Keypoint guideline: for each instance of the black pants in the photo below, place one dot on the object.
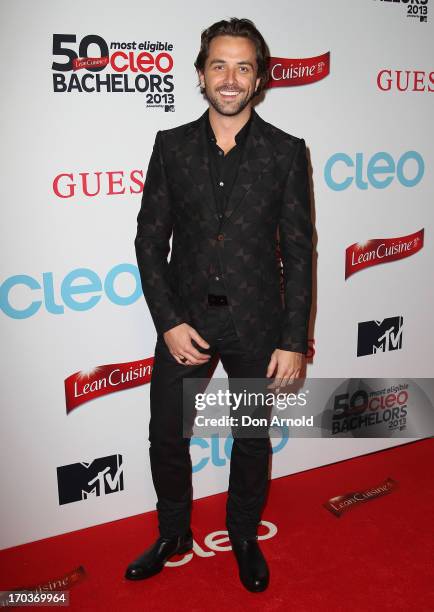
(169, 450)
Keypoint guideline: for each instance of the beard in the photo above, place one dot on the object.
(232, 108)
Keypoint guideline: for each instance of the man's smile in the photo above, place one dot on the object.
(226, 93)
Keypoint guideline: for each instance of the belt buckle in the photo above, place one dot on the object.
(217, 300)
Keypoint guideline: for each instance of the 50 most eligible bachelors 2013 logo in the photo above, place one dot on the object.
(125, 67)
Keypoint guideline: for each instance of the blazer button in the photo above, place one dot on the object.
(220, 237)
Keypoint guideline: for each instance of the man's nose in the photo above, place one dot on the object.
(232, 75)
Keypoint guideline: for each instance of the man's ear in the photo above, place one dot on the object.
(201, 79)
(257, 83)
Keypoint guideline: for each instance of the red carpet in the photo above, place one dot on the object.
(377, 556)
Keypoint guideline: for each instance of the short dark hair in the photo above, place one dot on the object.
(236, 27)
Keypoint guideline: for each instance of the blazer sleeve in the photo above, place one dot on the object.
(295, 237)
(154, 229)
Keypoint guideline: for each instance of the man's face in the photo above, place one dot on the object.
(229, 77)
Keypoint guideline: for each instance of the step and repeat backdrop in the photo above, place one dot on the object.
(86, 86)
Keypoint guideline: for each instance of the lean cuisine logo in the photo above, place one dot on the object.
(340, 504)
(362, 255)
(50, 587)
(82, 387)
(286, 72)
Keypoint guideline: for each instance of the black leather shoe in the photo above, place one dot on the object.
(152, 561)
(253, 567)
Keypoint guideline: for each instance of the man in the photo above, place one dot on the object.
(222, 187)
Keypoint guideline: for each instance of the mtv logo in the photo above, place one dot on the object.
(379, 336)
(169, 108)
(424, 18)
(79, 481)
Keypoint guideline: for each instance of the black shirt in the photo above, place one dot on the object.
(224, 170)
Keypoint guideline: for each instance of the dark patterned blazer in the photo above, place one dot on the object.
(270, 196)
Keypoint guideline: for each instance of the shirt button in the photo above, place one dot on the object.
(220, 237)
(220, 216)
(221, 184)
(220, 152)
(217, 278)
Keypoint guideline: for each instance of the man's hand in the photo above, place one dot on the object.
(289, 365)
(178, 340)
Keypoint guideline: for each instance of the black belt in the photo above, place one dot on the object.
(217, 300)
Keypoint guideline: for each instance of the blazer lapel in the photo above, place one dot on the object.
(257, 155)
(197, 165)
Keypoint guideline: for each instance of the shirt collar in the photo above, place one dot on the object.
(240, 137)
